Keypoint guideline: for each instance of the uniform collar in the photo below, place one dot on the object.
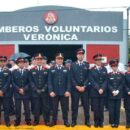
(80, 62)
(98, 67)
(115, 72)
(21, 69)
(59, 66)
(39, 67)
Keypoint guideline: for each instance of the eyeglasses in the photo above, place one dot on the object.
(114, 65)
(38, 58)
(80, 53)
(98, 59)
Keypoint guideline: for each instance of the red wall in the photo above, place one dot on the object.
(7, 50)
(110, 51)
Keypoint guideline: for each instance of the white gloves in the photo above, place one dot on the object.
(115, 92)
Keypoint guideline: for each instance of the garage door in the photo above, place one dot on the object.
(109, 51)
(6, 50)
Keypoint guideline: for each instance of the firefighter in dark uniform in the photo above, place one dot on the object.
(80, 90)
(39, 88)
(115, 87)
(127, 95)
(20, 82)
(59, 88)
(5, 91)
(98, 79)
(68, 64)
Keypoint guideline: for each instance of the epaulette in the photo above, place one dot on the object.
(127, 72)
(110, 73)
(123, 73)
(34, 68)
(5, 68)
(45, 67)
(92, 68)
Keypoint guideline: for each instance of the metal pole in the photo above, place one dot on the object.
(128, 31)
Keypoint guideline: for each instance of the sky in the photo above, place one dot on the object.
(12, 5)
(108, 5)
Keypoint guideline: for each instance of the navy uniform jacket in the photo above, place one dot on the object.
(127, 84)
(5, 81)
(38, 81)
(21, 81)
(59, 80)
(98, 79)
(80, 75)
(115, 82)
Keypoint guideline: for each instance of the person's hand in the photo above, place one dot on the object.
(1, 93)
(78, 88)
(82, 89)
(67, 94)
(100, 91)
(21, 91)
(115, 93)
(52, 94)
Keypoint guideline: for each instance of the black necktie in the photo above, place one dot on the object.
(99, 69)
(80, 64)
(39, 68)
(59, 67)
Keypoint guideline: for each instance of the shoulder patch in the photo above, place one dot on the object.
(92, 68)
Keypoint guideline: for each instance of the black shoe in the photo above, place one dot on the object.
(28, 123)
(11, 113)
(8, 124)
(73, 124)
(47, 123)
(53, 123)
(116, 125)
(87, 123)
(35, 123)
(101, 125)
(67, 124)
(112, 125)
(105, 109)
(16, 123)
(95, 124)
(127, 125)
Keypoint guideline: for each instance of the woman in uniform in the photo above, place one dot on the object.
(127, 95)
(115, 92)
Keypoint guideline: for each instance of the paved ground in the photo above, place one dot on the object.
(80, 117)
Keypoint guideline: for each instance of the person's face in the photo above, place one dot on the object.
(3, 62)
(34, 62)
(44, 61)
(98, 61)
(59, 60)
(39, 61)
(11, 62)
(26, 64)
(114, 67)
(128, 68)
(80, 56)
(68, 65)
(21, 64)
